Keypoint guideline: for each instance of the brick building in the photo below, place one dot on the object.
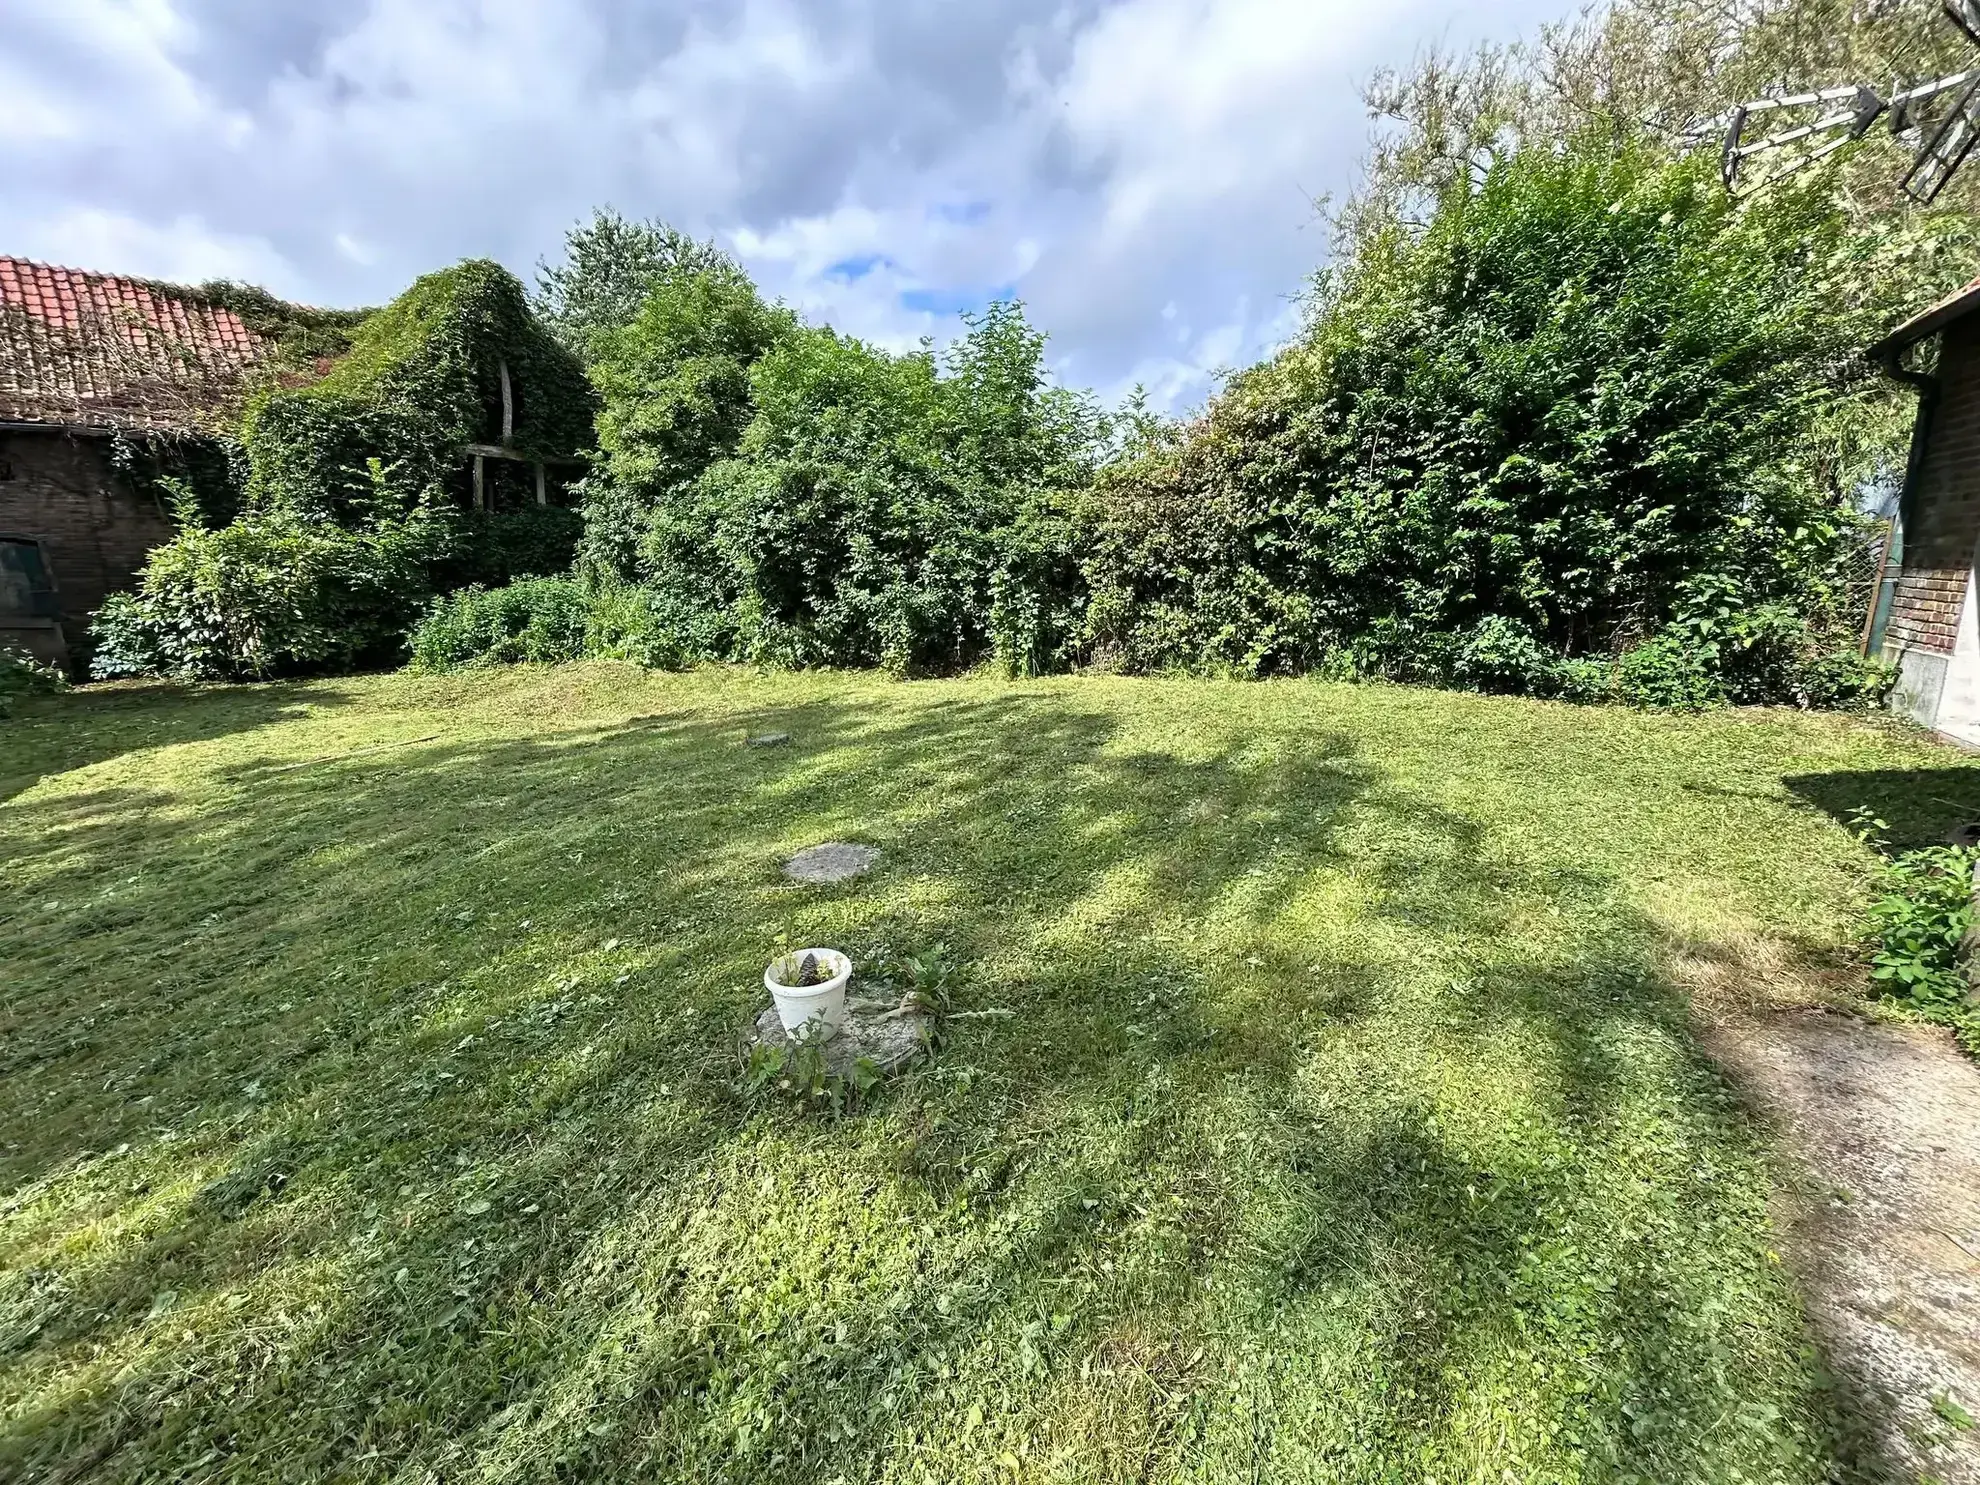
(1932, 630)
(89, 364)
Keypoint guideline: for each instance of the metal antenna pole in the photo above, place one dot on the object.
(1943, 149)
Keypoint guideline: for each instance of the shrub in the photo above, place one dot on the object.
(1511, 438)
(1502, 654)
(1037, 599)
(554, 619)
(496, 547)
(1723, 649)
(270, 595)
(875, 509)
(610, 268)
(1669, 672)
(1917, 927)
(674, 384)
(23, 675)
(1841, 679)
(1586, 681)
(645, 627)
(537, 619)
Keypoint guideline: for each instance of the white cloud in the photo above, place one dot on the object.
(1187, 102)
(184, 250)
(1140, 171)
(123, 53)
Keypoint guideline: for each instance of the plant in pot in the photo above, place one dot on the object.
(809, 988)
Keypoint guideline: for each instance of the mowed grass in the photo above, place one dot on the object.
(369, 1104)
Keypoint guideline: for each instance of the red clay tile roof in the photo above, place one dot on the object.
(94, 350)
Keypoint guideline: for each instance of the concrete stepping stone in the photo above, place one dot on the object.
(834, 861)
(891, 1036)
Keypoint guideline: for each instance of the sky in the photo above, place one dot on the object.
(1144, 174)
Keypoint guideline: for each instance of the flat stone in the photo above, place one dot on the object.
(892, 1037)
(834, 861)
(767, 740)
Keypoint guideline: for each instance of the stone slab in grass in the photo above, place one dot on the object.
(891, 1036)
(834, 861)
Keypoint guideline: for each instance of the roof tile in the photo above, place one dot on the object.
(94, 349)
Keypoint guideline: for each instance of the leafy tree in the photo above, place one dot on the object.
(674, 387)
(1527, 431)
(868, 512)
(610, 266)
(1662, 75)
(1557, 396)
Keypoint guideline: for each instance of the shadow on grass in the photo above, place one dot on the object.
(58, 734)
(1921, 806)
(398, 1098)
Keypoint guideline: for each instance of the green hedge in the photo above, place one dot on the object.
(822, 502)
(1572, 416)
(552, 619)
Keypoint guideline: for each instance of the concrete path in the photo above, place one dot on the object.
(1884, 1230)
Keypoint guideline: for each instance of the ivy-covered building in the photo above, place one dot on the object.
(93, 368)
(138, 418)
(1930, 627)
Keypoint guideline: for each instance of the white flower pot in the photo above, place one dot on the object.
(809, 1012)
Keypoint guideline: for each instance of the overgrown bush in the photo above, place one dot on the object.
(1918, 925)
(870, 509)
(555, 619)
(354, 501)
(674, 389)
(1553, 443)
(1519, 436)
(386, 424)
(611, 266)
(627, 622)
(23, 675)
(493, 547)
(269, 595)
(537, 619)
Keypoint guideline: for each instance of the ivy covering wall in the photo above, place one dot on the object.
(422, 379)
(345, 463)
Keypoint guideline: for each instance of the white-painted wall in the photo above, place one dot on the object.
(1957, 713)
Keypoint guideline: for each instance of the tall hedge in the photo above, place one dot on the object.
(1583, 391)
(859, 508)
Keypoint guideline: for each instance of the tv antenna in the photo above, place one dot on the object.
(1845, 114)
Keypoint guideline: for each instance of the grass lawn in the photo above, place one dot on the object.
(369, 1104)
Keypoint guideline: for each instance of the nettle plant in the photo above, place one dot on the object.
(802, 1074)
(1917, 926)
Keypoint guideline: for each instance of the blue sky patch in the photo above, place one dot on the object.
(954, 301)
(960, 213)
(852, 270)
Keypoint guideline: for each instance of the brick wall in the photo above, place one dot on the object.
(1944, 530)
(62, 491)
